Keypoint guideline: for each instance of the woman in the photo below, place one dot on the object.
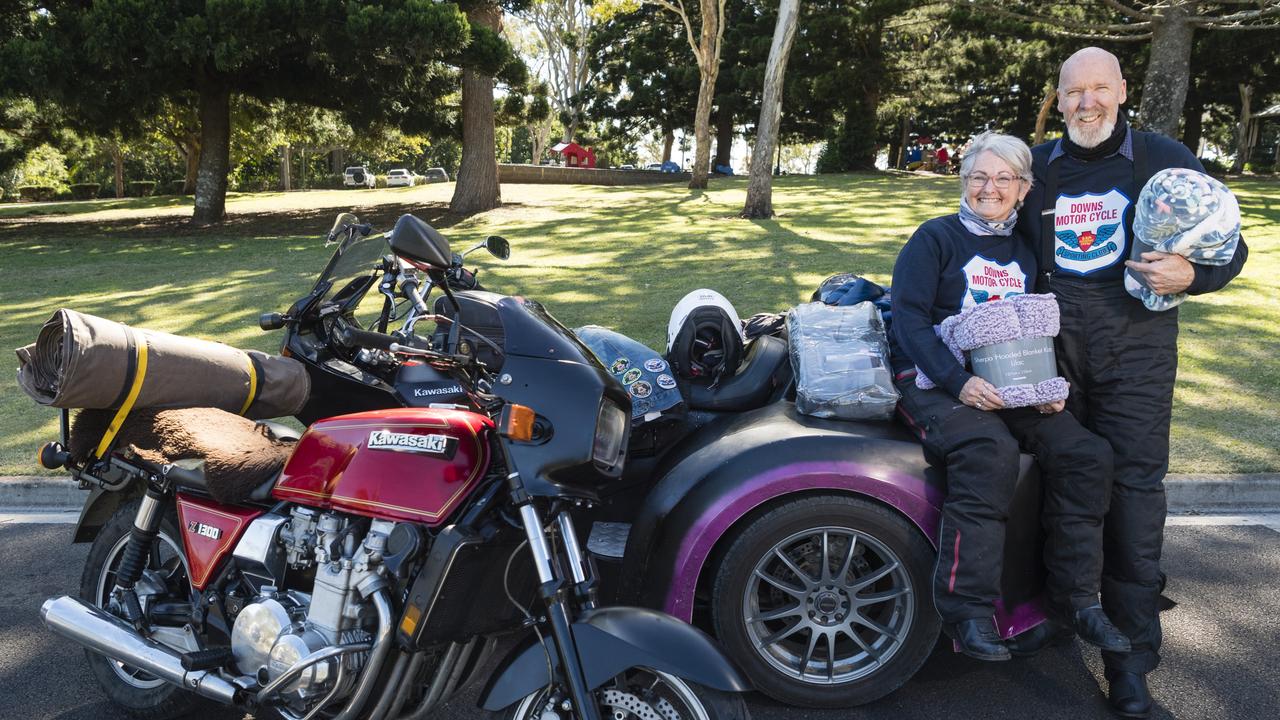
(964, 426)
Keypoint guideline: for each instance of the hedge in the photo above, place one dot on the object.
(36, 193)
(85, 191)
(142, 188)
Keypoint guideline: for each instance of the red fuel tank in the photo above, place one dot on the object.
(414, 464)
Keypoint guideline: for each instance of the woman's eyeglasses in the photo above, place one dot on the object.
(977, 181)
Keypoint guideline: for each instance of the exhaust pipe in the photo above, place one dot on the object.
(110, 636)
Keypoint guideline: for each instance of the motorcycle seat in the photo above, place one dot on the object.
(765, 367)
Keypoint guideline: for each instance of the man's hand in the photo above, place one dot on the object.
(1165, 274)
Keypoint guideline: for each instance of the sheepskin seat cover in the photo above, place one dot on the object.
(239, 455)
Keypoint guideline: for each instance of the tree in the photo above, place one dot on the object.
(1169, 26)
(113, 61)
(759, 202)
(706, 48)
(563, 28)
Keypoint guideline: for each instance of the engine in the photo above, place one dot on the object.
(279, 627)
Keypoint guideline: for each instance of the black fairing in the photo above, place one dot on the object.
(413, 239)
(547, 368)
(610, 640)
(420, 385)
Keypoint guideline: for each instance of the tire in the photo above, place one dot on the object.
(142, 694)
(808, 641)
(640, 693)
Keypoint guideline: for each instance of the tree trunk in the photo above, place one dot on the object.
(117, 162)
(1046, 106)
(901, 163)
(760, 188)
(724, 138)
(1242, 128)
(668, 141)
(477, 187)
(338, 161)
(1193, 120)
(708, 69)
(215, 145)
(286, 172)
(1164, 90)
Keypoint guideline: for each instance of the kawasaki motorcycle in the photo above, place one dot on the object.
(373, 576)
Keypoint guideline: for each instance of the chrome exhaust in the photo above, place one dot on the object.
(114, 638)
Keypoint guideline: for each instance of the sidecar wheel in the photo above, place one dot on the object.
(825, 601)
(642, 693)
(142, 694)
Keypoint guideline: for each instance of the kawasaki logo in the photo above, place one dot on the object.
(407, 442)
(436, 391)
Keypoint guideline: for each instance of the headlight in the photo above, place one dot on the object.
(611, 434)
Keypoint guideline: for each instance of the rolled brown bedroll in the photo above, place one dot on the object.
(82, 361)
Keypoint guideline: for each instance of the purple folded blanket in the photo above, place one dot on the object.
(999, 321)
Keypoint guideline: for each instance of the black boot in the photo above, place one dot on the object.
(1094, 627)
(1127, 694)
(978, 639)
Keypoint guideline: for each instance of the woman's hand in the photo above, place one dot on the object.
(1056, 406)
(980, 394)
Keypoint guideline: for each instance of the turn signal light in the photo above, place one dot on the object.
(516, 422)
(53, 456)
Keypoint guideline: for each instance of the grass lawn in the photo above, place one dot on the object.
(620, 257)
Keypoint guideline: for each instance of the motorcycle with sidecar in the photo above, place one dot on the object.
(804, 545)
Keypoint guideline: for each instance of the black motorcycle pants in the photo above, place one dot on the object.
(980, 452)
(1121, 360)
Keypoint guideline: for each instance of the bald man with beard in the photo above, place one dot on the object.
(1120, 358)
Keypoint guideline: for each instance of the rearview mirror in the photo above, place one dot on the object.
(413, 239)
(340, 225)
(498, 246)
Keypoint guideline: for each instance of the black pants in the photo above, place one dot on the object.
(1121, 360)
(980, 452)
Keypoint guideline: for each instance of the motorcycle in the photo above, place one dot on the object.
(374, 576)
(804, 545)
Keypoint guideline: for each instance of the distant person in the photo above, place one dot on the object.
(943, 157)
(963, 423)
(1120, 358)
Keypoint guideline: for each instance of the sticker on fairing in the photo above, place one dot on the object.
(632, 375)
(1089, 231)
(986, 280)
(655, 365)
(619, 366)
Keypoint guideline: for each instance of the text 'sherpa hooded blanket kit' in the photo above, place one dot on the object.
(1182, 212)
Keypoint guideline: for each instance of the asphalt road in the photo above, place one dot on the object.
(1221, 655)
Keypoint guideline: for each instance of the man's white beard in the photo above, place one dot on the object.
(1090, 138)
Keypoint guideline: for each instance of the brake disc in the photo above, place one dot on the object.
(633, 705)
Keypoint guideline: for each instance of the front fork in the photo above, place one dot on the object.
(552, 590)
(142, 537)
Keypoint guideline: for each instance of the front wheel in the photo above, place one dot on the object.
(825, 601)
(640, 694)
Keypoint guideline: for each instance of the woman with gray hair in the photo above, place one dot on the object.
(951, 263)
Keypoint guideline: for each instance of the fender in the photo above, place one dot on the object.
(98, 509)
(738, 463)
(610, 640)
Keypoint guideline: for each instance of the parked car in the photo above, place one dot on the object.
(400, 177)
(653, 166)
(627, 167)
(435, 175)
(358, 176)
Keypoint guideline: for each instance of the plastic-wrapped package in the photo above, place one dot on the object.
(1182, 212)
(841, 359)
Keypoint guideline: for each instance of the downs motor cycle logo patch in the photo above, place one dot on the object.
(442, 445)
(1089, 231)
(986, 280)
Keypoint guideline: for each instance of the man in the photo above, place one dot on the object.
(1120, 358)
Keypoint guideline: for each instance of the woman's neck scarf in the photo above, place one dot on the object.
(978, 225)
(1103, 149)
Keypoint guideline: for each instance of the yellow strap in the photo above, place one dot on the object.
(140, 349)
(253, 384)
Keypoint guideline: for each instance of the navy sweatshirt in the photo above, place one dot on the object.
(941, 270)
(1093, 218)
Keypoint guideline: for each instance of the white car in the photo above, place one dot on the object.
(400, 178)
(358, 176)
